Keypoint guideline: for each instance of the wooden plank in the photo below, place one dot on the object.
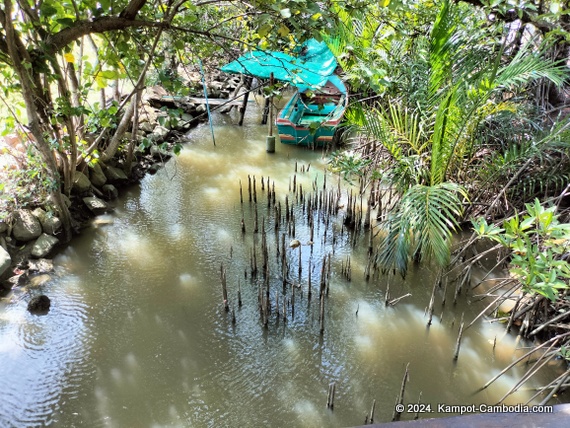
(196, 100)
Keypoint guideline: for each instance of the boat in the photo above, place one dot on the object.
(313, 115)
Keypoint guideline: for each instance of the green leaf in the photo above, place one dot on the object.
(65, 22)
(264, 30)
(283, 31)
(527, 223)
(47, 10)
(109, 74)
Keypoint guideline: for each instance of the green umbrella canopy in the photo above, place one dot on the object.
(311, 68)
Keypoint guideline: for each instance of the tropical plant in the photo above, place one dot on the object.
(431, 136)
(538, 243)
(422, 224)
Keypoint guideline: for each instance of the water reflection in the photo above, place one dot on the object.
(138, 336)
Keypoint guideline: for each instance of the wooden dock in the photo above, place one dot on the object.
(559, 418)
(195, 100)
(213, 103)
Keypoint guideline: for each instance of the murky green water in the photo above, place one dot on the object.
(137, 335)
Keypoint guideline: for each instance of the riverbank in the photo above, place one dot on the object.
(29, 229)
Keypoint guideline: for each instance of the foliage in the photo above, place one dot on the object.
(448, 80)
(349, 163)
(422, 225)
(28, 186)
(538, 242)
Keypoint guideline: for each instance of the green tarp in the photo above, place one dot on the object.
(311, 68)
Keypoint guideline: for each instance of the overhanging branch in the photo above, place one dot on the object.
(58, 41)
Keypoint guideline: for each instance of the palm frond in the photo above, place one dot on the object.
(423, 223)
(527, 66)
(442, 47)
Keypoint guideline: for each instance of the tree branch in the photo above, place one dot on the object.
(526, 17)
(131, 10)
(58, 41)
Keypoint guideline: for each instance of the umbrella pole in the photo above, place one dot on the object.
(207, 103)
(245, 100)
(270, 141)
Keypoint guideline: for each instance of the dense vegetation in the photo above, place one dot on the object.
(463, 120)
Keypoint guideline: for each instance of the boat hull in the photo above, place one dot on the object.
(313, 121)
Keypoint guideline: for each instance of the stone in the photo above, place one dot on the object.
(96, 175)
(38, 280)
(294, 243)
(96, 206)
(110, 191)
(40, 266)
(26, 227)
(18, 280)
(154, 93)
(186, 117)
(81, 184)
(39, 213)
(159, 133)
(5, 261)
(115, 175)
(44, 245)
(39, 305)
(153, 169)
(157, 151)
(145, 127)
(3, 226)
(50, 223)
(66, 200)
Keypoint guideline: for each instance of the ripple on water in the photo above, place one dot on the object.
(41, 357)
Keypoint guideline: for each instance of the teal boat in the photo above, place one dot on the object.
(311, 118)
(314, 113)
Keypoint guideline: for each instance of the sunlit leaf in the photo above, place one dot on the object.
(264, 30)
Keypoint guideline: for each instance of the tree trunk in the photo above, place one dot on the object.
(21, 63)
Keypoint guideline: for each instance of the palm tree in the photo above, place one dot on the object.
(431, 140)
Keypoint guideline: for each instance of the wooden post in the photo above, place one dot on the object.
(249, 186)
(431, 304)
(239, 293)
(330, 396)
(371, 418)
(254, 191)
(400, 400)
(265, 111)
(224, 288)
(417, 416)
(271, 81)
(240, 192)
(245, 100)
(322, 315)
(458, 344)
